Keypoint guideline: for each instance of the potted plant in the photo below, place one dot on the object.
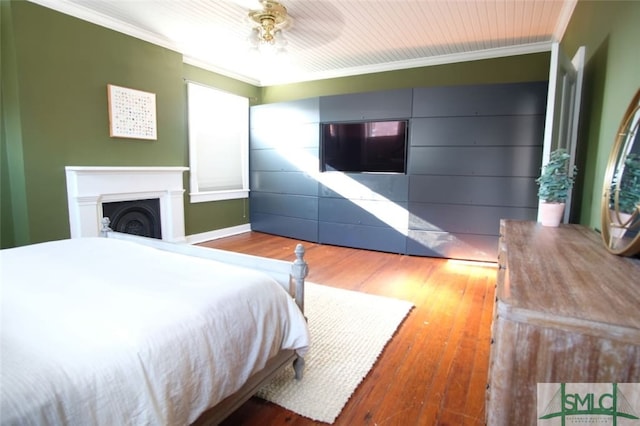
(554, 182)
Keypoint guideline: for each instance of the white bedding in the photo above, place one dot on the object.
(98, 331)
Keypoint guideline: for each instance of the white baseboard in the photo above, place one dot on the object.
(218, 233)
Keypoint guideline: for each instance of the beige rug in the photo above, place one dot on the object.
(349, 330)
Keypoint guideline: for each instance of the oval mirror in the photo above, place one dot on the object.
(621, 189)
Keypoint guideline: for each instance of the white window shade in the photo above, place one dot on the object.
(218, 144)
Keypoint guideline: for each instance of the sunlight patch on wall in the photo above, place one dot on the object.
(392, 214)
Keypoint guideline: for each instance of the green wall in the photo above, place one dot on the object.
(55, 69)
(610, 32)
(9, 131)
(532, 67)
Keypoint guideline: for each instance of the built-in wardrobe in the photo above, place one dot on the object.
(472, 156)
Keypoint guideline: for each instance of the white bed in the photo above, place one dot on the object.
(103, 331)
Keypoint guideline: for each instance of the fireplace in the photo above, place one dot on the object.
(137, 217)
(89, 189)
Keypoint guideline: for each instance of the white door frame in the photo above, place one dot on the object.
(563, 108)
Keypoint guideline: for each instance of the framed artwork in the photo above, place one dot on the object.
(132, 113)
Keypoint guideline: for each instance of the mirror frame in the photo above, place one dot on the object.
(619, 245)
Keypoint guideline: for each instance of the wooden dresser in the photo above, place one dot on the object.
(566, 311)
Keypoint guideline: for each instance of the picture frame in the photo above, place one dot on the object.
(132, 113)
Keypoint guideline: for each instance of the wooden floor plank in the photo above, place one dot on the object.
(468, 322)
(375, 406)
(416, 373)
(474, 407)
(433, 371)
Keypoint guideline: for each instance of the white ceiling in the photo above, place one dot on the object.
(333, 38)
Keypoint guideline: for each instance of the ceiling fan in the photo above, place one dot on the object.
(268, 23)
(270, 20)
(305, 23)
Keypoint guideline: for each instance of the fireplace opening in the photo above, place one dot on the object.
(137, 217)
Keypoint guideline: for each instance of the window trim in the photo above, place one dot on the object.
(197, 196)
(205, 196)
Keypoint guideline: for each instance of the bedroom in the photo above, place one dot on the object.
(51, 77)
(55, 73)
(50, 80)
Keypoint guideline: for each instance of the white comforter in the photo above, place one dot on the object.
(100, 331)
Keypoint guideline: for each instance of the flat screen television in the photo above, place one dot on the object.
(371, 146)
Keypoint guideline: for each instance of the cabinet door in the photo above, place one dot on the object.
(391, 104)
(482, 100)
(283, 161)
(282, 114)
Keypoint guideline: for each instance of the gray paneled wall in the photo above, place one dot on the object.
(383, 105)
(481, 100)
(283, 161)
(364, 210)
(474, 153)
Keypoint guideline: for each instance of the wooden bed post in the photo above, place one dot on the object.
(299, 271)
(105, 221)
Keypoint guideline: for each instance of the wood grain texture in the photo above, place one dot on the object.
(566, 311)
(567, 271)
(434, 370)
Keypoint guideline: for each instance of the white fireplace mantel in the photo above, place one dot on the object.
(89, 187)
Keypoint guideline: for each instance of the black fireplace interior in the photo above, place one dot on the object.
(137, 217)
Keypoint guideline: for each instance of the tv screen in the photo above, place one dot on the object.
(372, 146)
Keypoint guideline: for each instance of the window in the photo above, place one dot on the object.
(218, 144)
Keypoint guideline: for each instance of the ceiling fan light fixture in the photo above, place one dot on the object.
(268, 24)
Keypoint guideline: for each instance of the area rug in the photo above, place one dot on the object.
(348, 330)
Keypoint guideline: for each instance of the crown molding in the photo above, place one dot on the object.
(563, 21)
(522, 49)
(83, 13)
(88, 15)
(218, 70)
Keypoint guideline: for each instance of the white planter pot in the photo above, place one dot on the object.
(551, 213)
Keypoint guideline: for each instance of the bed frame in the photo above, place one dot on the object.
(290, 275)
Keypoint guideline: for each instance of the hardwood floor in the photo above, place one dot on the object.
(434, 370)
